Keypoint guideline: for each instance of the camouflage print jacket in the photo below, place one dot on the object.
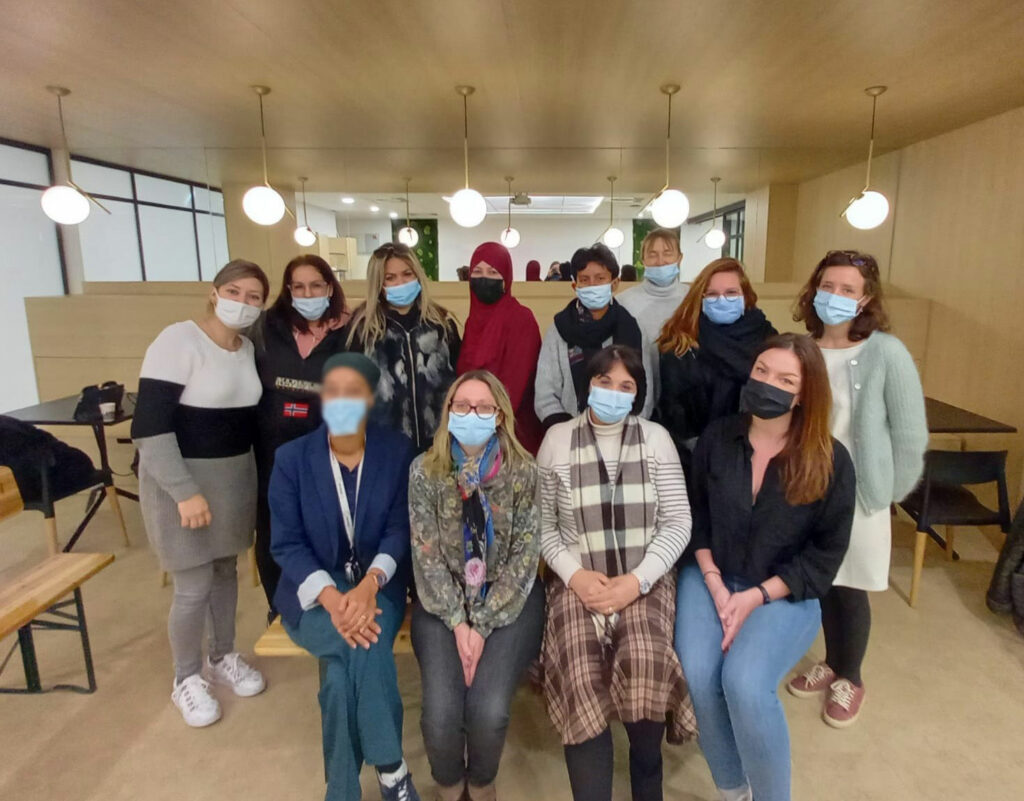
(438, 556)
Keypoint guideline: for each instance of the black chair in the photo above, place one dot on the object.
(942, 499)
(52, 491)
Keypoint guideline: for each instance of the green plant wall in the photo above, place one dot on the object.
(426, 248)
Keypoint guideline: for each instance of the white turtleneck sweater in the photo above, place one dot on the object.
(652, 306)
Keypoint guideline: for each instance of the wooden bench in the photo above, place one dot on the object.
(32, 601)
(276, 642)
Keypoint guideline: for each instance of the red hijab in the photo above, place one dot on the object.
(533, 270)
(503, 337)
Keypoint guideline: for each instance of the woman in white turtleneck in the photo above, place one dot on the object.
(654, 300)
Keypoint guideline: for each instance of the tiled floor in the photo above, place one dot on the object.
(944, 717)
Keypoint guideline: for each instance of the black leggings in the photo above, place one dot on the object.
(846, 621)
(591, 763)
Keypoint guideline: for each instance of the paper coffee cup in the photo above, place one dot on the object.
(109, 412)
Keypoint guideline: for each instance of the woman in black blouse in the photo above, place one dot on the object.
(772, 501)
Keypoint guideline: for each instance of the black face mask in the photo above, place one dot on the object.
(487, 290)
(764, 401)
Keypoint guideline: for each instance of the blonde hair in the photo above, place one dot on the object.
(437, 461)
(368, 320)
(669, 235)
(235, 270)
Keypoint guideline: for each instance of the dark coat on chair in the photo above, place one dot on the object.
(306, 526)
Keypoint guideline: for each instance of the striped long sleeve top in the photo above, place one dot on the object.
(559, 530)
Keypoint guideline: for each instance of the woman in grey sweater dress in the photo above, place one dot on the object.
(194, 425)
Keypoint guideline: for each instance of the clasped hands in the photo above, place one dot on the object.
(733, 607)
(604, 595)
(354, 613)
(470, 645)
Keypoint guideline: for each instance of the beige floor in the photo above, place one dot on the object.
(944, 718)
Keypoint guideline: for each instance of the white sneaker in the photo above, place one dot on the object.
(234, 672)
(196, 703)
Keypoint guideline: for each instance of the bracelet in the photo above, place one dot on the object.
(766, 598)
(712, 573)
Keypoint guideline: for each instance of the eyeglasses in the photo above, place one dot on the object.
(485, 411)
(729, 293)
(855, 258)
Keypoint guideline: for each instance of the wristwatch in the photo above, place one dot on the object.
(379, 577)
(645, 585)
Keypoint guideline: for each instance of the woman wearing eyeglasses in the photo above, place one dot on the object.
(298, 333)
(707, 347)
(414, 341)
(614, 520)
(878, 414)
(478, 619)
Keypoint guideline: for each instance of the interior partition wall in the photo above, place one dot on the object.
(31, 263)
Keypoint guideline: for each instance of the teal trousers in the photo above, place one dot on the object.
(360, 707)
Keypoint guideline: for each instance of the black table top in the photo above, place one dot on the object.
(944, 418)
(61, 412)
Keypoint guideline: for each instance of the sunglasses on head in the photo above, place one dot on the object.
(390, 249)
(853, 257)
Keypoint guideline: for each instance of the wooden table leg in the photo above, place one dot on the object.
(115, 504)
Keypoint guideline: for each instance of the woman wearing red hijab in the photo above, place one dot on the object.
(502, 336)
(533, 270)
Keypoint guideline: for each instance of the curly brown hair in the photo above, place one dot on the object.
(872, 317)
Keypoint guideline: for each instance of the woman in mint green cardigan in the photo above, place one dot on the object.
(878, 414)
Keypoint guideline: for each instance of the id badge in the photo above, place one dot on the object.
(353, 573)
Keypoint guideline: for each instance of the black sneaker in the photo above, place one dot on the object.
(402, 791)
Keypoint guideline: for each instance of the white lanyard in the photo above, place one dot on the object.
(347, 514)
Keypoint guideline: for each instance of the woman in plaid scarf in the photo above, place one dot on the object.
(615, 519)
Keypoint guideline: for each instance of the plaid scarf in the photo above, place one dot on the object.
(477, 521)
(614, 521)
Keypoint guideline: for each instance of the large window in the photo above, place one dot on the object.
(159, 228)
(30, 264)
(734, 223)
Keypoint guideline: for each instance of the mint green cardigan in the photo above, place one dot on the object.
(889, 428)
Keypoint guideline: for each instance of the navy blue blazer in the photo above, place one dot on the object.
(305, 520)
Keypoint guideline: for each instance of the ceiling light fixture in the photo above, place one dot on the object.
(510, 236)
(467, 207)
(870, 208)
(715, 237)
(669, 207)
(66, 203)
(348, 201)
(408, 236)
(612, 236)
(374, 209)
(262, 203)
(304, 235)
(393, 215)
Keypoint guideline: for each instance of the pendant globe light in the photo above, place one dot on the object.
(510, 236)
(66, 203)
(408, 236)
(714, 238)
(612, 236)
(670, 207)
(467, 206)
(870, 208)
(262, 203)
(304, 235)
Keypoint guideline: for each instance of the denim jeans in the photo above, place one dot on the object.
(743, 730)
(464, 727)
(360, 707)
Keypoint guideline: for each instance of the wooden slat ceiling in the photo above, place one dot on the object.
(567, 91)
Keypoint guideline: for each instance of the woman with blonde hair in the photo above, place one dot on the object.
(194, 426)
(414, 341)
(479, 614)
(707, 347)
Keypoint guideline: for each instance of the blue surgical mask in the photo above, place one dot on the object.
(595, 297)
(724, 310)
(344, 415)
(311, 308)
(470, 429)
(610, 405)
(662, 276)
(403, 294)
(835, 309)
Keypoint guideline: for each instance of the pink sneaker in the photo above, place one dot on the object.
(843, 704)
(813, 681)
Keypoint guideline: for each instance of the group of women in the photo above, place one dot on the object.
(704, 492)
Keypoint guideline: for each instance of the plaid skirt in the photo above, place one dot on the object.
(637, 676)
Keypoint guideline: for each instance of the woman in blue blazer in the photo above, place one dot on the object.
(340, 532)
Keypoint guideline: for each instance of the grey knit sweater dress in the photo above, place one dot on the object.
(194, 425)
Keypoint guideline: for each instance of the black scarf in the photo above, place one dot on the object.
(726, 354)
(580, 330)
